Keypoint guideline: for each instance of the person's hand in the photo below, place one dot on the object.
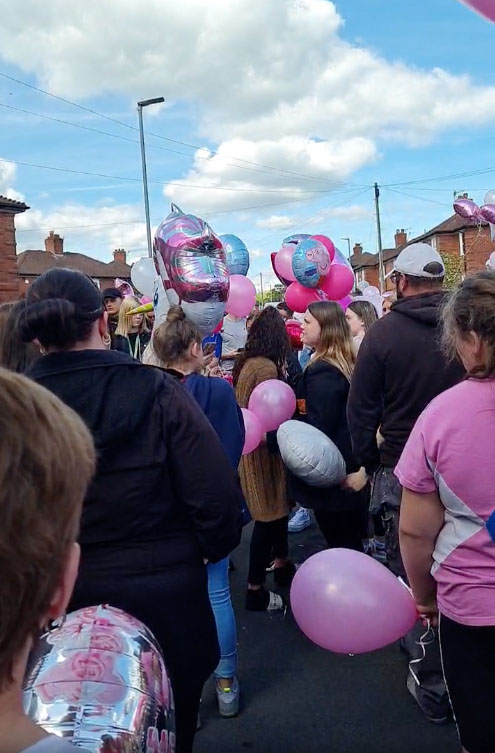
(428, 611)
(209, 364)
(355, 482)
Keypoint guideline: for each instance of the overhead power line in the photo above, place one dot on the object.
(421, 198)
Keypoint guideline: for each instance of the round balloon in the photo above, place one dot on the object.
(328, 243)
(242, 296)
(344, 302)
(294, 330)
(283, 262)
(273, 402)
(236, 253)
(349, 603)
(143, 274)
(338, 283)
(490, 197)
(310, 455)
(310, 262)
(298, 298)
(100, 682)
(254, 431)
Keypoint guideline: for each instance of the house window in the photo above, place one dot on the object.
(360, 275)
(433, 242)
(96, 281)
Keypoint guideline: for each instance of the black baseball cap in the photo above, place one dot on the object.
(112, 293)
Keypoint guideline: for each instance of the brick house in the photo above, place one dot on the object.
(9, 281)
(465, 246)
(32, 263)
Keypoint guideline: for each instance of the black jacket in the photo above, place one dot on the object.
(128, 345)
(400, 369)
(321, 393)
(162, 477)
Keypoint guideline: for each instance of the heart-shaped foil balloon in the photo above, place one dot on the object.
(485, 8)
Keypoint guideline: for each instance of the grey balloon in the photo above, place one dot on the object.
(100, 682)
(310, 455)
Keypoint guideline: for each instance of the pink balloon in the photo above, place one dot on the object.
(298, 298)
(328, 243)
(466, 209)
(349, 603)
(283, 262)
(338, 283)
(254, 431)
(273, 402)
(344, 302)
(488, 213)
(242, 296)
(485, 8)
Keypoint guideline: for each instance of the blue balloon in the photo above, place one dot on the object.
(297, 238)
(310, 261)
(236, 253)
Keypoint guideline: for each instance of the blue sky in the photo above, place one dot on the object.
(307, 104)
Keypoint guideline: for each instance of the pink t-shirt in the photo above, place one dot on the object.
(452, 449)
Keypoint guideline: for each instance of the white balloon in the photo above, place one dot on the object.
(361, 286)
(370, 292)
(310, 455)
(143, 275)
(490, 197)
(490, 263)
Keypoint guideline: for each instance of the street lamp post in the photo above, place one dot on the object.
(140, 105)
(348, 245)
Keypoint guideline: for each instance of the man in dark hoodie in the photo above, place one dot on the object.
(400, 369)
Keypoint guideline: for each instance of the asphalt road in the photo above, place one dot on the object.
(298, 698)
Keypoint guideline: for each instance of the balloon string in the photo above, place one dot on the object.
(423, 643)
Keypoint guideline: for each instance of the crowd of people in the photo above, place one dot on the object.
(145, 411)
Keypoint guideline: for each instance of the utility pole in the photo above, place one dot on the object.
(261, 290)
(140, 105)
(348, 246)
(381, 273)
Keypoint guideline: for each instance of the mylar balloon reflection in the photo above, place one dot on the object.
(100, 682)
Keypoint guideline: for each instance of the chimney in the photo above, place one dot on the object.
(400, 238)
(357, 249)
(54, 244)
(119, 255)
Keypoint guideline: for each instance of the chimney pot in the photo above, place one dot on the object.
(54, 244)
(400, 238)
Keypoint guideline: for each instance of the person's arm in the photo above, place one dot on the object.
(203, 478)
(421, 520)
(326, 394)
(364, 407)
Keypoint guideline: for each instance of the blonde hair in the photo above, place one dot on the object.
(173, 337)
(125, 321)
(335, 345)
(47, 459)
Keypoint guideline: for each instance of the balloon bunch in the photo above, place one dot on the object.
(372, 294)
(242, 293)
(271, 404)
(313, 270)
(469, 210)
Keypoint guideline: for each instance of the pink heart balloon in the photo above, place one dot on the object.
(485, 8)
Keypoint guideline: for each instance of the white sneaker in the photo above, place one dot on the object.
(300, 520)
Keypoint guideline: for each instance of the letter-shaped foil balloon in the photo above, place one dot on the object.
(310, 262)
(100, 682)
(191, 261)
(236, 253)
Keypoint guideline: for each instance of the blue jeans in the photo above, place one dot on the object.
(219, 591)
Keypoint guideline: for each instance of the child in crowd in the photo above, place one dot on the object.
(47, 460)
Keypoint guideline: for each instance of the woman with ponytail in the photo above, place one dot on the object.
(447, 521)
(321, 401)
(164, 498)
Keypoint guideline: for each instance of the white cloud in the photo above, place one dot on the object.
(7, 176)
(94, 231)
(276, 222)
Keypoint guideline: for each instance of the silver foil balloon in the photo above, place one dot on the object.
(100, 682)
(236, 253)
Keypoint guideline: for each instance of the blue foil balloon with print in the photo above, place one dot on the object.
(310, 262)
(237, 254)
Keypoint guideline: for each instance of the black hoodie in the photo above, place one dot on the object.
(400, 369)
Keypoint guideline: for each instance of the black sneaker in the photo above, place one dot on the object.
(263, 601)
(283, 576)
(437, 711)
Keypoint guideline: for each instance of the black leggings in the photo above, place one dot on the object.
(342, 528)
(468, 657)
(268, 540)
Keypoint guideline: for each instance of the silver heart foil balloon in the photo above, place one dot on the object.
(100, 682)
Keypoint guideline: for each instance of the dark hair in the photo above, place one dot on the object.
(172, 338)
(61, 307)
(283, 307)
(471, 308)
(267, 338)
(433, 283)
(365, 311)
(15, 354)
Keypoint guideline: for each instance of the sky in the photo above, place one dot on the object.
(280, 115)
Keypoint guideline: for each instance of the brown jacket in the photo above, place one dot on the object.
(262, 472)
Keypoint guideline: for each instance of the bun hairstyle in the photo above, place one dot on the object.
(61, 307)
(172, 338)
(471, 308)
